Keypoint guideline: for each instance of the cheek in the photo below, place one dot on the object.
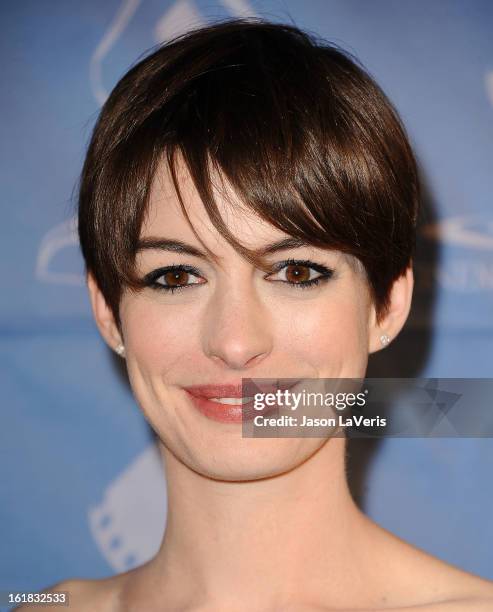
(331, 335)
(156, 336)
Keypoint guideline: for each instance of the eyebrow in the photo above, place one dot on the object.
(177, 246)
(163, 244)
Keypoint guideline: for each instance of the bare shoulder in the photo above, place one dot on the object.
(416, 580)
(467, 592)
(467, 604)
(457, 590)
(454, 589)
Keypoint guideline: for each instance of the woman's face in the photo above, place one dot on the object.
(232, 321)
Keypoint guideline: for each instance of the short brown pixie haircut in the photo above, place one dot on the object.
(304, 136)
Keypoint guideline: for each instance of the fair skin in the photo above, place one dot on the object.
(257, 524)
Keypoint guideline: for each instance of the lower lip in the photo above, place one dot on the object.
(226, 413)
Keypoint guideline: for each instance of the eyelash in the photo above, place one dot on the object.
(326, 273)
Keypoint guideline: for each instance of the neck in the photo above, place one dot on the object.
(294, 537)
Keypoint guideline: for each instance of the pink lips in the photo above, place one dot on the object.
(226, 413)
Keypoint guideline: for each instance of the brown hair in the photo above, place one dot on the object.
(302, 133)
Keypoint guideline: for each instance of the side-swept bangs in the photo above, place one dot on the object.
(299, 130)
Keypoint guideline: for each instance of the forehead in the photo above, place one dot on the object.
(165, 216)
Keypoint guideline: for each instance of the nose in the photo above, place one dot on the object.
(237, 330)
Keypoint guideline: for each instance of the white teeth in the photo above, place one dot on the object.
(231, 401)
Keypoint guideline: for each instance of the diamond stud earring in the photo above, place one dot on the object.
(384, 339)
(120, 350)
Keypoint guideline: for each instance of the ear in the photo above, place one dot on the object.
(102, 314)
(399, 307)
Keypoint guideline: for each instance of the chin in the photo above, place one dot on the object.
(248, 458)
(218, 450)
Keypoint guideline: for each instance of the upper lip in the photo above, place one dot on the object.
(238, 389)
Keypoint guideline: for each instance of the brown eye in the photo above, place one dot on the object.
(301, 274)
(175, 278)
(297, 273)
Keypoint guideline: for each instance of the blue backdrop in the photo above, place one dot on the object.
(82, 493)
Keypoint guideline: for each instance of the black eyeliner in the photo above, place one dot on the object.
(304, 262)
(327, 273)
(151, 278)
(155, 274)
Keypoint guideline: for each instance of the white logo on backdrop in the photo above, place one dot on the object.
(469, 270)
(472, 231)
(62, 236)
(128, 524)
(182, 16)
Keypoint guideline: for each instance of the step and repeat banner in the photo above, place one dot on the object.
(82, 488)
